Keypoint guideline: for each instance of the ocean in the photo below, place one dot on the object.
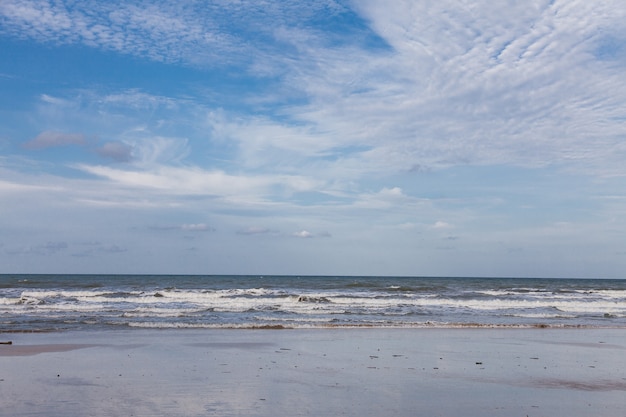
(54, 303)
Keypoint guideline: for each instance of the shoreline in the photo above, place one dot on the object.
(355, 372)
(304, 327)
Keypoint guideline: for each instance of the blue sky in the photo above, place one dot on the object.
(442, 138)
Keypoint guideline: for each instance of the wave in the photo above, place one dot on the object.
(316, 301)
(242, 300)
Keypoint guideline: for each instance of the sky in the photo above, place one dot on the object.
(319, 137)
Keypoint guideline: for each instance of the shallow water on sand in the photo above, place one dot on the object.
(352, 372)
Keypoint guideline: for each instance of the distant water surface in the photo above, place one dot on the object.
(73, 302)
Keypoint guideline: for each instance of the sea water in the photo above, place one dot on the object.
(38, 303)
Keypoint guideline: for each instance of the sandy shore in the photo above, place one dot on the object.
(350, 372)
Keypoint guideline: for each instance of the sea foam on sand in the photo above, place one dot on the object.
(317, 372)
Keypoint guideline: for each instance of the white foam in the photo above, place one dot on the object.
(315, 303)
(161, 312)
(62, 294)
(11, 300)
(70, 307)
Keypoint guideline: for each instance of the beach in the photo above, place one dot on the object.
(315, 372)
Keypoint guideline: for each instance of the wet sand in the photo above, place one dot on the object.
(351, 372)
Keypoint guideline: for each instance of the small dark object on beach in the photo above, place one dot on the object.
(6, 343)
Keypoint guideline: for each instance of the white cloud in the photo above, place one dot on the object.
(441, 225)
(384, 199)
(394, 192)
(138, 100)
(196, 227)
(156, 150)
(172, 180)
(263, 142)
(255, 230)
(197, 34)
(57, 101)
(158, 33)
(20, 187)
(307, 235)
(505, 85)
